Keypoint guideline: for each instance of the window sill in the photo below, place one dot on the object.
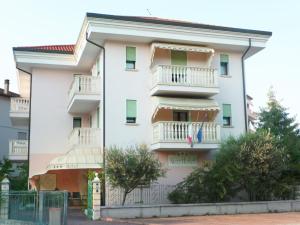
(226, 76)
(131, 70)
(230, 126)
(132, 124)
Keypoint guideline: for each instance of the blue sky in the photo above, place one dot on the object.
(39, 22)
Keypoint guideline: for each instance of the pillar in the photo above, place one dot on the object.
(5, 186)
(96, 198)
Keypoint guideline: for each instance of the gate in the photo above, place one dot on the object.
(34, 208)
(90, 200)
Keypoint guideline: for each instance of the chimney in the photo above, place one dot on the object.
(6, 86)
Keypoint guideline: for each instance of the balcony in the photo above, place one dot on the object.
(85, 138)
(19, 111)
(84, 151)
(84, 94)
(18, 150)
(184, 80)
(173, 135)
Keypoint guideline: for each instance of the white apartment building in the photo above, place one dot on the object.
(178, 87)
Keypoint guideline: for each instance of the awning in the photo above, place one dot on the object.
(180, 47)
(183, 104)
(85, 158)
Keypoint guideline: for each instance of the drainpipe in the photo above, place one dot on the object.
(29, 125)
(244, 85)
(103, 132)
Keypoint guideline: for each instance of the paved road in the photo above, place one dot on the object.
(76, 217)
(247, 219)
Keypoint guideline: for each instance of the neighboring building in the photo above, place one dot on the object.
(163, 81)
(13, 139)
(252, 115)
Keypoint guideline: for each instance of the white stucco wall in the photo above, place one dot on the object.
(50, 122)
(231, 92)
(122, 85)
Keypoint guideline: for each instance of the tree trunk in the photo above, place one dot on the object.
(124, 198)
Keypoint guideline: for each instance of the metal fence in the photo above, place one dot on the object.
(34, 208)
(153, 194)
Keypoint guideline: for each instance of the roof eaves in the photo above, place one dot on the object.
(177, 23)
(32, 49)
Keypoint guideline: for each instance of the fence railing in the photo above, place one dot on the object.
(19, 105)
(85, 137)
(37, 208)
(84, 84)
(153, 194)
(18, 149)
(173, 131)
(185, 76)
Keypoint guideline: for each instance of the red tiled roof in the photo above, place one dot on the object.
(61, 49)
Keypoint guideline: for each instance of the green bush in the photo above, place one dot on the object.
(253, 163)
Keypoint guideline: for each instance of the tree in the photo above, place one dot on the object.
(275, 118)
(128, 168)
(5, 168)
(20, 182)
(253, 162)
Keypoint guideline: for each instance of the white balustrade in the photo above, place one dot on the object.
(18, 149)
(84, 84)
(173, 131)
(85, 137)
(19, 105)
(185, 76)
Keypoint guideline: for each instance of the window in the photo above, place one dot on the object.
(76, 122)
(130, 111)
(130, 57)
(227, 118)
(180, 116)
(98, 117)
(178, 58)
(97, 67)
(224, 60)
(22, 136)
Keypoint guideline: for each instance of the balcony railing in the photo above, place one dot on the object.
(84, 85)
(185, 76)
(173, 131)
(19, 105)
(18, 149)
(88, 137)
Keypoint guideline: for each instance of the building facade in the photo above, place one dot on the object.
(176, 86)
(13, 137)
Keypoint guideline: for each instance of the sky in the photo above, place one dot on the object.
(46, 22)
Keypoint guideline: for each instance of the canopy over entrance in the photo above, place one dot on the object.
(81, 158)
(186, 104)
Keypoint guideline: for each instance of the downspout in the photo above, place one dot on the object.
(29, 125)
(244, 85)
(103, 132)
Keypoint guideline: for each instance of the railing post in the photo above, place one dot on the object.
(4, 198)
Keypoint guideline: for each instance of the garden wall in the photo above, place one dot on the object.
(169, 210)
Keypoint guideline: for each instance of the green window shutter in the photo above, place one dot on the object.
(178, 58)
(224, 58)
(130, 54)
(226, 110)
(131, 108)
